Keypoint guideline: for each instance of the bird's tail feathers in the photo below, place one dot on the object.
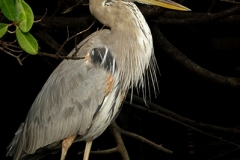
(12, 147)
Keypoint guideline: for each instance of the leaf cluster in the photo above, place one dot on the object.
(21, 16)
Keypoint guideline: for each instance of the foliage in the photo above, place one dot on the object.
(21, 15)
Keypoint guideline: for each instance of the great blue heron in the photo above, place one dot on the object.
(82, 97)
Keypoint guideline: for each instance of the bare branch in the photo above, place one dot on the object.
(230, 1)
(6, 47)
(196, 18)
(120, 144)
(107, 151)
(14, 56)
(183, 119)
(50, 41)
(68, 39)
(142, 139)
(62, 22)
(117, 132)
(24, 58)
(184, 124)
(176, 55)
(72, 7)
(59, 56)
(41, 18)
(223, 154)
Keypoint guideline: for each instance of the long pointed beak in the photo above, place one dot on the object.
(166, 4)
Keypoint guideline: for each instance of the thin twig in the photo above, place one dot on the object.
(10, 49)
(18, 59)
(107, 151)
(230, 151)
(230, 1)
(69, 9)
(179, 57)
(183, 119)
(142, 139)
(59, 5)
(50, 41)
(12, 32)
(58, 56)
(68, 39)
(9, 53)
(11, 43)
(196, 18)
(184, 124)
(24, 57)
(61, 47)
(39, 20)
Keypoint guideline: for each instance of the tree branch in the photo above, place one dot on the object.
(17, 57)
(230, 1)
(62, 22)
(48, 40)
(120, 144)
(190, 18)
(107, 151)
(183, 60)
(184, 124)
(59, 56)
(181, 118)
(142, 139)
(165, 17)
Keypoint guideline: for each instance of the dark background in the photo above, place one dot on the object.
(215, 46)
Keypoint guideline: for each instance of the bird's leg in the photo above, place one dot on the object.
(87, 150)
(66, 143)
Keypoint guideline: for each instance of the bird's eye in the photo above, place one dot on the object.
(107, 4)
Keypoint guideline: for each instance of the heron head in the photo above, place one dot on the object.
(111, 12)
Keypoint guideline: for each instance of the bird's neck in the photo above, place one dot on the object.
(134, 43)
(130, 39)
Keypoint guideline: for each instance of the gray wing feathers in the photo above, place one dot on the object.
(65, 105)
(13, 143)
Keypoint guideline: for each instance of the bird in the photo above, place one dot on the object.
(81, 98)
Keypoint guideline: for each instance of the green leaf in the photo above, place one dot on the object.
(8, 9)
(3, 29)
(27, 42)
(24, 16)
